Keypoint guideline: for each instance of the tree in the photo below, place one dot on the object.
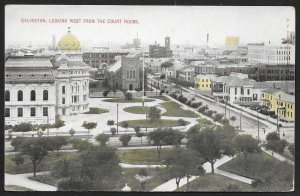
(102, 139)
(292, 149)
(182, 162)
(36, 149)
(18, 159)
(182, 122)
(125, 124)
(232, 118)
(128, 96)
(17, 142)
(105, 92)
(209, 113)
(22, 127)
(58, 122)
(72, 132)
(96, 169)
(212, 144)
(166, 136)
(154, 114)
(81, 145)
(162, 77)
(57, 142)
(125, 139)
(113, 130)
(110, 122)
(143, 174)
(246, 144)
(218, 117)
(89, 126)
(275, 143)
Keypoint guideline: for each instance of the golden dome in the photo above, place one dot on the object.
(69, 42)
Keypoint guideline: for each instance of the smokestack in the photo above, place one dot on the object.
(207, 38)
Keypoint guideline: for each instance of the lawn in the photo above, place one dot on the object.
(174, 109)
(278, 176)
(46, 165)
(137, 109)
(142, 156)
(152, 124)
(163, 98)
(96, 111)
(122, 100)
(215, 183)
(16, 188)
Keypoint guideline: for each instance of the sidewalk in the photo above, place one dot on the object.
(23, 181)
(126, 165)
(277, 156)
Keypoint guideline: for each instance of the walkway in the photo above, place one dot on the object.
(126, 165)
(171, 184)
(23, 181)
(277, 156)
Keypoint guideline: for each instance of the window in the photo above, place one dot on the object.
(235, 91)
(32, 111)
(63, 111)
(133, 73)
(248, 91)
(242, 90)
(127, 74)
(45, 95)
(45, 111)
(63, 100)
(20, 95)
(75, 99)
(63, 89)
(7, 112)
(20, 112)
(7, 96)
(32, 95)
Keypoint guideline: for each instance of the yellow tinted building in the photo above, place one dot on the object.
(203, 82)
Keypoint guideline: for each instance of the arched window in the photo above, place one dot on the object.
(32, 95)
(45, 95)
(7, 96)
(20, 95)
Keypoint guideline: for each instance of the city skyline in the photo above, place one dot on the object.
(154, 23)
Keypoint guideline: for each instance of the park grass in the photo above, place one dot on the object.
(96, 111)
(122, 100)
(137, 109)
(142, 123)
(46, 164)
(174, 110)
(142, 156)
(46, 179)
(278, 174)
(16, 188)
(163, 98)
(215, 183)
(135, 185)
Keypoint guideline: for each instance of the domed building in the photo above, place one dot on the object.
(72, 77)
(69, 42)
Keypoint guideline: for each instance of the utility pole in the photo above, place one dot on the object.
(241, 120)
(117, 118)
(257, 127)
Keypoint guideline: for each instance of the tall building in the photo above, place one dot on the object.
(157, 51)
(271, 54)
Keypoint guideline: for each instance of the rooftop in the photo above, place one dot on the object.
(28, 61)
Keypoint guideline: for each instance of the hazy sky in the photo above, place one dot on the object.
(184, 24)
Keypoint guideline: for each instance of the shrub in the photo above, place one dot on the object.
(189, 102)
(275, 143)
(128, 96)
(232, 118)
(105, 92)
(102, 139)
(181, 122)
(218, 117)
(113, 130)
(72, 132)
(209, 113)
(18, 159)
(125, 139)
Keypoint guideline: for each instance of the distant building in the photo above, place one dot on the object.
(157, 51)
(99, 62)
(187, 74)
(232, 40)
(271, 54)
(126, 74)
(205, 69)
(203, 82)
(276, 72)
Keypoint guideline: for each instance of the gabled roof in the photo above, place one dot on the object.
(116, 66)
(22, 61)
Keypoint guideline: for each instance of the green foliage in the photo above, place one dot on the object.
(182, 122)
(96, 169)
(56, 142)
(232, 118)
(218, 117)
(96, 111)
(167, 136)
(105, 92)
(246, 144)
(17, 142)
(22, 127)
(89, 125)
(275, 143)
(18, 159)
(128, 96)
(58, 122)
(209, 113)
(137, 129)
(181, 82)
(154, 114)
(212, 144)
(81, 145)
(202, 109)
(125, 124)
(182, 162)
(110, 122)
(102, 139)
(113, 130)
(232, 188)
(72, 132)
(125, 139)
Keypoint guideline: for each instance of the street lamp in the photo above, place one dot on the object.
(283, 109)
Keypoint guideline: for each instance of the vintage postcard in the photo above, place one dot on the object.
(149, 98)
